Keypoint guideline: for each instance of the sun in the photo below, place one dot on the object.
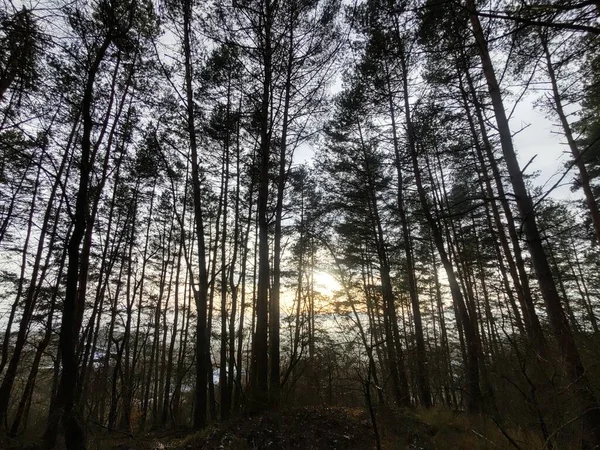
(326, 283)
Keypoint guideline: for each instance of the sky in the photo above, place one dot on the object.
(540, 137)
(543, 139)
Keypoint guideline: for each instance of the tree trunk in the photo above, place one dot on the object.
(11, 371)
(584, 177)
(170, 359)
(202, 339)
(281, 180)
(223, 382)
(422, 377)
(529, 313)
(74, 304)
(558, 321)
(259, 379)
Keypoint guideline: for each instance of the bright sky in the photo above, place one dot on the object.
(543, 137)
(540, 135)
(326, 284)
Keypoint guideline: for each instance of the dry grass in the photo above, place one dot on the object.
(456, 430)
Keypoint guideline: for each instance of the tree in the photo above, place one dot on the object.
(20, 43)
(114, 27)
(562, 331)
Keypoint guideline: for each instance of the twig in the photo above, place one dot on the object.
(511, 440)
(568, 422)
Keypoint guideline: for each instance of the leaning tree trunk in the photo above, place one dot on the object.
(73, 305)
(521, 282)
(558, 321)
(584, 176)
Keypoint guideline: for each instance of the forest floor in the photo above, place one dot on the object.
(326, 428)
